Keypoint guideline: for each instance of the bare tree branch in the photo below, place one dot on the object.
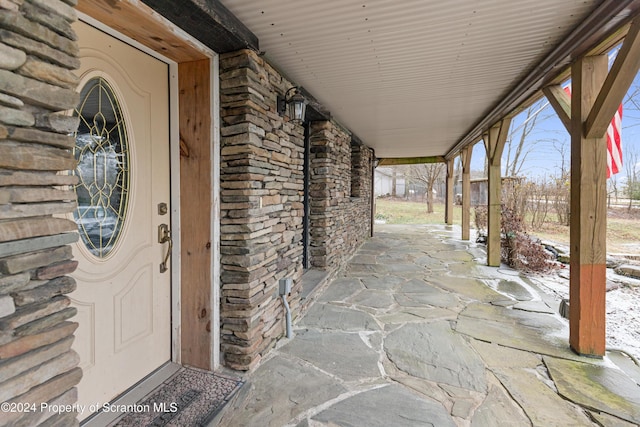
(427, 174)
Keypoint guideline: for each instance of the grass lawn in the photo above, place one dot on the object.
(623, 228)
(397, 211)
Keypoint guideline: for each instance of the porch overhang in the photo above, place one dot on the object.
(426, 79)
(602, 30)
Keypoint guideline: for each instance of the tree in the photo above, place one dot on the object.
(635, 190)
(561, 185)
(394, 182)
(518, 146)
(632, 187)
(427, 174)
(612, 190)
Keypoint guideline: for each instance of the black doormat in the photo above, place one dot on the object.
(191, 397)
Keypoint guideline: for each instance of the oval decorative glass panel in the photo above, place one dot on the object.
(102, 155)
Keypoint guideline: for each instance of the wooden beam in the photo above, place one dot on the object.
(495, 140)
(144, 25)
(561, 103)
(465, 156)
(588, 214)
(411, 160)
(616, 85)
(208, 20)
(448, 212)
(195, 212)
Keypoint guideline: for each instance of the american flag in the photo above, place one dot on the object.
(614, 133)
(614, 141)
(614, 144)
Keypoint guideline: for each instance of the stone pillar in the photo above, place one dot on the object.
(38, 54)
(261, 209)
(340, 192)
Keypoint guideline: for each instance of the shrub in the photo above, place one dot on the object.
(518, 250)
(481, 220)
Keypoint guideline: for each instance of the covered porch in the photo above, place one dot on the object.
(252, 194)
(417, 330)
(426, 88)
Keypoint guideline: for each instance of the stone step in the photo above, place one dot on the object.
(614, 260)
(629, 270)
(234, 403)
(630, 257)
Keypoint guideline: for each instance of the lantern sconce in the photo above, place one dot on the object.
(295, 102)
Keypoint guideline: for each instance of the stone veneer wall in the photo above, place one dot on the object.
(38, 52)
(261, 207)
(340, 193)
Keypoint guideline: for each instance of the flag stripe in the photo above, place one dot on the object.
(614, 141)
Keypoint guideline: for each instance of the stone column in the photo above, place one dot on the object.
(261, 209)
(38, 54)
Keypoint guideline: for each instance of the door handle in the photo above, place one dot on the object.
(164, 236)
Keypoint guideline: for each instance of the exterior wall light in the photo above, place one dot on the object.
(295, 102)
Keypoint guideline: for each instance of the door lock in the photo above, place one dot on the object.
(164, 236)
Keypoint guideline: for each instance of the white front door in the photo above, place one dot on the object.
(122, 147)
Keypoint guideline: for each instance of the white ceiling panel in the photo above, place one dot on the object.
(410, 78)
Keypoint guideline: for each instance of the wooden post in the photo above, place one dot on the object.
(494, 141)
(465, 156)
(195, 181)
(372, 195)
(448, 212)
(599, 93)
(588, 213)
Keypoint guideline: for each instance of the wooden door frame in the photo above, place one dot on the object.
(184, 50)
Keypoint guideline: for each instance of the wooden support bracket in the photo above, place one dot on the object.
(624, 70)
(561, 103)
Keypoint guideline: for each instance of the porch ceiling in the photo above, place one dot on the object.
(411, 78)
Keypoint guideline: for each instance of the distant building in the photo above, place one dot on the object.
(480, 188)
(384, 182)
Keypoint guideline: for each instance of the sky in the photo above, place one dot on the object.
(549, 137)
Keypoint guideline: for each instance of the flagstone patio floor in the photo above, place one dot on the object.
(417, 331)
